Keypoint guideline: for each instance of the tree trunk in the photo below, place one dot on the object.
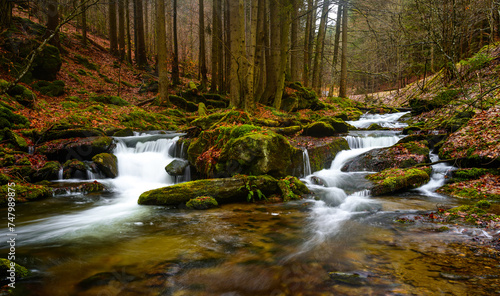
(129, 41)
(227, 45)
(320, 43)
(84, 23)
(237, 16)
(294, 62)
(176, 80)
(273, 57)
(162, 52)
(203, 63)
(260, 73)
(284, 44)
(5, 14)
(249, 93)
(343, 67)
(121, 29)
(147, 35)
(113, 41)
(336, 47)
(52, 10)
(170, 26)
(308, 39)
(140, 57)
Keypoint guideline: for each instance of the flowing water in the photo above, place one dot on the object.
(106, 244)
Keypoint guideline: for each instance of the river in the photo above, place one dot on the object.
(345, 242)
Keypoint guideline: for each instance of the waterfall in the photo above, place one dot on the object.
(141, 167)
(438, 177)
(60, 174)
(384, 120)
(307, 164)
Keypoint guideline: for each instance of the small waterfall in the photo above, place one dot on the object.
(438, 177)
(184, 178)
(60, 174)
(91, 175)
(31, 150)
(384, 120)
(358, 142)
(307, 164)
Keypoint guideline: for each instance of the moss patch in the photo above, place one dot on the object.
(394, 180)
(25, 192)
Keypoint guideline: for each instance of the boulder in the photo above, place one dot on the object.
(67, 131)
(76, 148)
(319, 129)
(177, 167)
(224, 190)
(321, 156)
(50, 171)
(395, 180)
(18, 141)
(47, 64)
(202, 203)
(24, 193)
(338, 124)
(107, 163)
(22, 95)
(8, 119)
(53, 89)
(401, 155)
(297, 97)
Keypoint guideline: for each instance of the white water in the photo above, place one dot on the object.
(386, 120)
(345, 194)
(141, 167)
(307, 163)
(438, 178)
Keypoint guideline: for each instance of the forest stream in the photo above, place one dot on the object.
(342, 242)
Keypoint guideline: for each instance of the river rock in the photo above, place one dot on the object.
(318, 130)
(223, 190)
(177, 167)
(401, 155)
(65, 131)
(76, 148)
(25, 192)
(321, 156)
(202, 203)
(107, 163)
(348, 278)
(50, 171)
(395, 180)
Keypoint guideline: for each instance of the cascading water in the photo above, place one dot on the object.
(141, 167)
(438, 177)
(307, 163)
(389, 120)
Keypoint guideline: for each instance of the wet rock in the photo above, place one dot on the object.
(6, 265)
(223, 190)
(65, 131)
(401, 155)
(126, 132)
(25, 193)
(76, 148)
(348, 278)
(107, 163)
(318, 129)
(177, 167)
(453, 276)
(321, 156)
(50, 171)
(202, 203)
(18, 141)
(394, 180)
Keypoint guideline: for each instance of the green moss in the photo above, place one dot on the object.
(81, 72)
(5, 266)
(8, 119)
(53, 89)
(22, 95)
(85, 62)
(111, 100)
(142, 120)
(395, 179)
(471, 174)
(47, 64)
(69, 105)
(24, 193)
(202, 203)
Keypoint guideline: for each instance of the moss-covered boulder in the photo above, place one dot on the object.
(24, 193)
(441, 99)
(183, 104)
(50, 171)
(338, 124)
(321, 156)
(473, 183)
(53, 89)
(214, 120)
(177, 167)
(67, 131)
(47, 64)
(319, 130)
(18, 141)
(23, 95)
(224, 190)
(126, 132)
(296, 97)
(395, 180)
(202, 203)
(402, 155)
(6, 266)
(76, 148)
(109, 100)
(107, 163)
(288, 131)
(9, 119)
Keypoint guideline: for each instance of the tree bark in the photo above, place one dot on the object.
(260, 73)
(113, 41)
(52, 11)
(273, 54)
(5, 14)
(176, 80)
(162, 52)
(203, 62)
(140, 58)
(343, 67)
(129, 41)
(320, 44)
(249, 94)
(338, 23)
(294, 56)
(121, 29)
(283, 56)
(236, 15)
(308, 39)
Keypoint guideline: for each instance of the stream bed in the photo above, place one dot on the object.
(344, 242)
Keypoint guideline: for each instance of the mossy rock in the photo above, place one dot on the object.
(396, 180)
(76, 148)
(85, 62)
(223, 190)
(288, 131)
(441, 99)
(182, 103)
(296, 97)
(338, 124)
(202, 203)
(67, 131)
(202, 109)
(18, 141)
(319, 130)
(107, 163)
(8, 119)
(143, 120)
(25, 193)
(53, 89)
(321, 156)
(126, 132)
(74, 168)
(401, 155)
(50, 171)
(23, 95)
(47, 64)
(4, 179)
(109, 100)
(216, 119)
(7, 265)
(216, 104)
(206, 122)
